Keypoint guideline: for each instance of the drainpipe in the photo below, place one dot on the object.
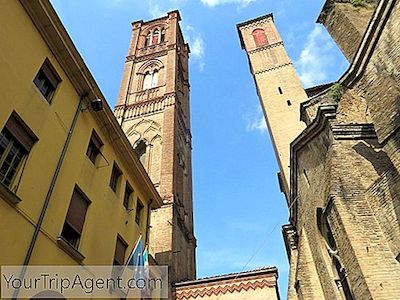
(49, 194)
(148, 222)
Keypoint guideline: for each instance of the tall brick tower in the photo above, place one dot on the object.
(153, 109)
(278, 87)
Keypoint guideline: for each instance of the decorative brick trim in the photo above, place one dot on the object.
(219, 290)
(266, 47)
(273, 68)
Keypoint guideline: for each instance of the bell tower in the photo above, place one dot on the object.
(153, 110)
(278, 87)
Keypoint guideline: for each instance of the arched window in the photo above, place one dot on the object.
(162, 39)
(337, 265)
(150, 79)
(156, 35)
(140, 150)
(259, 37)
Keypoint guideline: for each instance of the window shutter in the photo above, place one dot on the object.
(21, 132)
(51, 74)
(77, 211)
(120, 249)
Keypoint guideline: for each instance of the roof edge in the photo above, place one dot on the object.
(266, 270)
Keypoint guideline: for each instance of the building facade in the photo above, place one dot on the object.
(154, 112)
(72, 190)
(343, 240)
(249, 285)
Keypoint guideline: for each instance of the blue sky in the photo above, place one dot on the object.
(238, 207)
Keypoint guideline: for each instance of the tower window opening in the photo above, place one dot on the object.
(155, 39)
(289, 103)
(259, 37)
(280, 90)
(140, 150)
(162, 38)
(150, 80)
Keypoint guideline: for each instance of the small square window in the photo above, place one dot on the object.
(115, 175)
(94, 147)
(47, 80)
(139, 208)
(127, 196)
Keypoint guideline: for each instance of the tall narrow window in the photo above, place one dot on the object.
(127, 195)
(120, 250)
(16, 140)
(72, 230)
(156, 37)
(115, 176)
(147, 41)
(162, 39)
(147, 81)
(47, 80)
(139, 209)
(94, 147)
(154, 79)
(150, 79)
(140, 150)
(259, 37)
(337, 265)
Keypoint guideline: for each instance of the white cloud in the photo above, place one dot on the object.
(316, 57)
(256, 121)
(212, 3)
(156, 12)
(197, 46)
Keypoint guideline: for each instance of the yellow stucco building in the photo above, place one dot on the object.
(72, 190)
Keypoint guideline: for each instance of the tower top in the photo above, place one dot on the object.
(172, 13)
(252, 23)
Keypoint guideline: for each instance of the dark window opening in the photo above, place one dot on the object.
(280, 90)
(47, 80)
(127, 196)
(16, 140)
(289, 103)
(139, 208)
(162, 39)
(115, 175)
(75, 219)
(120, 249)
(94, 147)
(140, 150)
(147, 40)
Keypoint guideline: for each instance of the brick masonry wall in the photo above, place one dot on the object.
(346, 24)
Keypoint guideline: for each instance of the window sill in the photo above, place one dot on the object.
(8, 195)
(71, 250)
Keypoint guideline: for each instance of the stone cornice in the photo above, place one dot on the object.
(144, 107)
(353, 131)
